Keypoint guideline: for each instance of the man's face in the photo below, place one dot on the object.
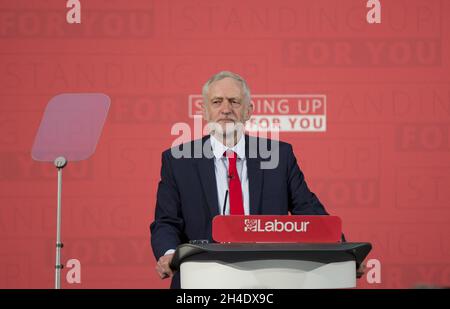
(226, 108)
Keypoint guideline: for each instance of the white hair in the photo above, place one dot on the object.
(227, 74)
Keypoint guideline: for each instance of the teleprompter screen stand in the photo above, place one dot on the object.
(69, 131)
(269, 265)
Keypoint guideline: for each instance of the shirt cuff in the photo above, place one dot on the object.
(170, 251)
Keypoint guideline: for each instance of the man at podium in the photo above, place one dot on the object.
(228, 178)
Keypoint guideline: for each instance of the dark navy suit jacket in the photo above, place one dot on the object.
(187, 193)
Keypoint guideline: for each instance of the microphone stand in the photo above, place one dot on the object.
(225, 203)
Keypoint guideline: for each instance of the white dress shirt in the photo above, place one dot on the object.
(221, 171)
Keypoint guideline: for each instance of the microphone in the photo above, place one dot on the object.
(225, 203)
(230, 176)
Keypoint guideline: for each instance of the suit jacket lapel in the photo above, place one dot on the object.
(207, 176)
(255, 175)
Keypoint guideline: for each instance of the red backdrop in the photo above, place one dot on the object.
(382, 164)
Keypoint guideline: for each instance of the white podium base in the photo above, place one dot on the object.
(267, 274)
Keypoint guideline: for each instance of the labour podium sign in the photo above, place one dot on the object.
(277, 229)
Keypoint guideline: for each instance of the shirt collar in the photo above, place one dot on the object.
(219, 148)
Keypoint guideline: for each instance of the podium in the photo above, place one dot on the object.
(269, 265)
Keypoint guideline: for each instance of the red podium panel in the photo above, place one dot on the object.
(279, 229)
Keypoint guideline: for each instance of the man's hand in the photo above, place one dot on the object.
(360, 271)
(163, 266)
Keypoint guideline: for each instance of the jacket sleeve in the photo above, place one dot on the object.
(301, 200)
(167, 228)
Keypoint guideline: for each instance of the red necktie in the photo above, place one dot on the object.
(236, 200)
